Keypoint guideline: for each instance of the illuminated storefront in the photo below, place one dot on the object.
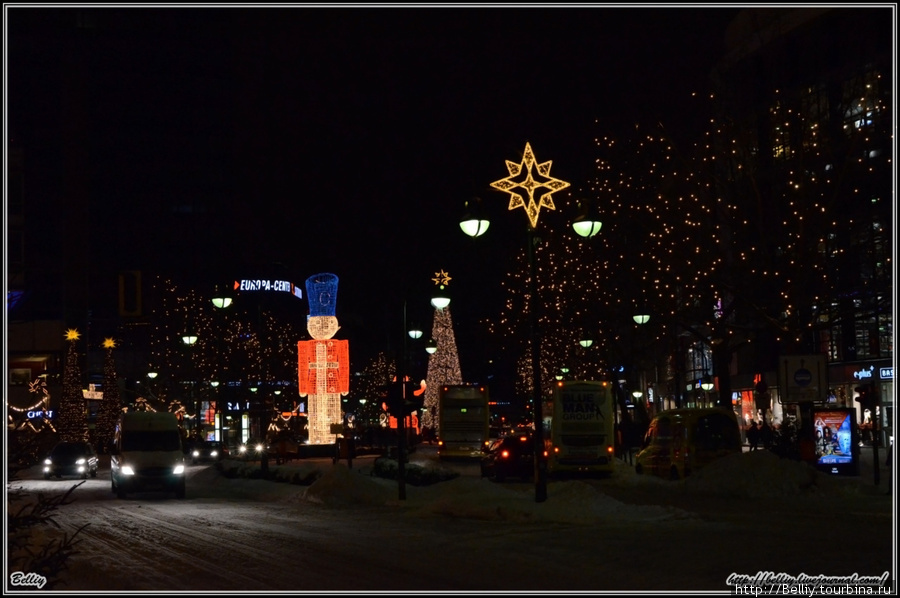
(844, 380)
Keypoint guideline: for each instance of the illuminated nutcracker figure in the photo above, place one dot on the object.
(323, 364)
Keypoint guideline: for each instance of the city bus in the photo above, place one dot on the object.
(464, 420)
(582, 428)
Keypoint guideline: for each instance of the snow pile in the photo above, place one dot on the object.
(479, 498)
(754, 474)
(342, 486)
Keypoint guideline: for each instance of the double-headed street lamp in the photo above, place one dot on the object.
(475, 224)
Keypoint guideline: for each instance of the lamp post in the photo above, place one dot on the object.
(190, 338)
(415, 333)
(221, 300)
(474, 224)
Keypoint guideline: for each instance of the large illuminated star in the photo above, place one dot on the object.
(109, 343)
(516, 200)
(72, 334)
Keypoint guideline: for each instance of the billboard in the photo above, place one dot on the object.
(837, 441)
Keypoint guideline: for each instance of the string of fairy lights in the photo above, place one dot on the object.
(696, 232)
(232, 346)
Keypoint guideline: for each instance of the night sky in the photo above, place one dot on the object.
(222, 143)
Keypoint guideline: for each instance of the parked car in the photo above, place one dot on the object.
(71, 459)
(208, 450)
(508, 457)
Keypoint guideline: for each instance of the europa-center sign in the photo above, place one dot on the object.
(268, 285)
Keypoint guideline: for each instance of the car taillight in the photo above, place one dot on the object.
(504, 454)
(609, 449)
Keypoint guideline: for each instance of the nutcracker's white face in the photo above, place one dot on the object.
(322, 327)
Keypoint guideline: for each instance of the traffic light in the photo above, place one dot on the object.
(866, 398)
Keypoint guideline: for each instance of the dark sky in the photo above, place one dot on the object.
(221, 141)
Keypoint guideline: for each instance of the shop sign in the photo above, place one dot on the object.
(864, 374)
(886, 373)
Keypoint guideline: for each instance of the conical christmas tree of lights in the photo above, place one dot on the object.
(72, 419)
(443, 366)
(112, 403)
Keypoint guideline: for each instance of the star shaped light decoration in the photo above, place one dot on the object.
(441, 278)
(72, 334)
(516, 200)
(109, 343)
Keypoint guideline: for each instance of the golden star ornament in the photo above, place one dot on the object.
(72, 334)
(441, 278)
(530, 185)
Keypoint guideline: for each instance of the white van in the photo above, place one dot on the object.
(147, 454)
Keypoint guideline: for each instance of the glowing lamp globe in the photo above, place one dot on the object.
(473, 223)
(221, 302)
(474, 227)
(441, 298)
(587, 228)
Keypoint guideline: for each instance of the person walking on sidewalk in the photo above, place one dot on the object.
(753, 436)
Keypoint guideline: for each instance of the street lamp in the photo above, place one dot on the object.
(189, 338)
(403, 368)
(221, 299)
(475, 225)
(587, 223)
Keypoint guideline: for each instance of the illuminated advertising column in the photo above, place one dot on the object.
(323, 364)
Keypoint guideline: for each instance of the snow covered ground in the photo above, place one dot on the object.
(745, 514)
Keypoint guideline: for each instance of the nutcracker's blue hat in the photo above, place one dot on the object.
(322, 292)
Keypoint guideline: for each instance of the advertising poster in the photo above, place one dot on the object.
(837, 440)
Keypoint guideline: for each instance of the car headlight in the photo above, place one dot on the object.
(214, 454)
(48, 461)
(242, 449)
(259, 448)
(127, 470)
(81, 461)
(196, 453)
(179, 469)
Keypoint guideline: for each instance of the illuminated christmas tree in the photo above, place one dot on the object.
(72, 418)
(111, 405)
(443, 366)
